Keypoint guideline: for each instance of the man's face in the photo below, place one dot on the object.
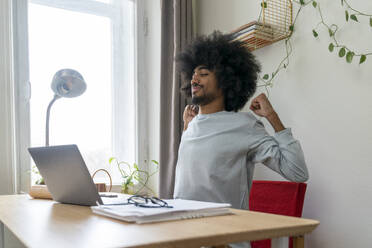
(204, 86)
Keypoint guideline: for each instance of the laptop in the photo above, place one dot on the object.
(67, 177)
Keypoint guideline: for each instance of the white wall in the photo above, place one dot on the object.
(328, 105)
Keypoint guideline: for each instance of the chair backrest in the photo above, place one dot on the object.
(276, 197)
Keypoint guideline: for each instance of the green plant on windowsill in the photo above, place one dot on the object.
(39, 179)
(38, 187)
(134, 180)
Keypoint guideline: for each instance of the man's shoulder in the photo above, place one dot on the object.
(246, 119)
(246, 116)
(224, 120)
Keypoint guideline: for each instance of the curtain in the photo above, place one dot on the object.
(176, 33)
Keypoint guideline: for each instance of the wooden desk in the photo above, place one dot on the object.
(45, 223)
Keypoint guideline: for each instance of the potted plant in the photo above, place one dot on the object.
(38, 189)
(134, 180)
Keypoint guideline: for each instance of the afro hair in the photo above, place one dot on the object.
(235, 67)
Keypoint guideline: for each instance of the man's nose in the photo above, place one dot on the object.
(195, 78)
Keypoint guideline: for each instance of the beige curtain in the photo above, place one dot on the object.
(176, 21)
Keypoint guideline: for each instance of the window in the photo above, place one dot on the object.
(96, 38)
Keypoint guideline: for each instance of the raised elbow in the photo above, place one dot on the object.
(301, 175)
(302, 178)
(296, 172)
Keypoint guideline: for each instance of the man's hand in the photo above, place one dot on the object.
(188, 114)
(261, 106)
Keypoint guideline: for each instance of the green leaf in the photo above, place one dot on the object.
(266, 77)
(354, 18)
(302, 2)
(342, 52)
(264, 4)
(135, 166)
(110, 160)
(331, 47)
(155, 162)
(315, 4)
(342, 2)
(40, 181)
(349, 57)
(291, 28)
(330, 32)
(346, 15)
(362, 59)
(128, 181)
(370, 21)
(315, 33)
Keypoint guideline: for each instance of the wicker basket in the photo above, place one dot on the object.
(274, 24)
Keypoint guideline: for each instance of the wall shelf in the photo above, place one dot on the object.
(273, 25)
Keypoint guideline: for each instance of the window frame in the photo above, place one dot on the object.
(22, 85)
(7, 146)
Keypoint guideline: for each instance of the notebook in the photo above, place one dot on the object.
(181, 209)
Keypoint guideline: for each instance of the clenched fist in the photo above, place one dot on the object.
(261, 106)
(188, 114)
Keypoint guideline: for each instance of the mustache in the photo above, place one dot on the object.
(196, 84)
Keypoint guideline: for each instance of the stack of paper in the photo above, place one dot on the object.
(181, 209)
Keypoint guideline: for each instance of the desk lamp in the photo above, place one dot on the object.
(66, 83)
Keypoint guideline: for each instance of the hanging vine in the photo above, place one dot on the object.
(343, 50)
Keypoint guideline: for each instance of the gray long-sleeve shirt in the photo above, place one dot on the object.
(218, 152)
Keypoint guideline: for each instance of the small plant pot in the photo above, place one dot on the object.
(40, 191)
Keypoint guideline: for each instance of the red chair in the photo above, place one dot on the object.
(276, 197)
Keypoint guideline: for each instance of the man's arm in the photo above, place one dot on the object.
(188, 114)
(262, 107)
(275, 122)
(282, 153)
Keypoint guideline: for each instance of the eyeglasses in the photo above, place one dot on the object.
(148, 202)
(145, 202)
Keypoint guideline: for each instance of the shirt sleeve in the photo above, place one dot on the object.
(281, 153)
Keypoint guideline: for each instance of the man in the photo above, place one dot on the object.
(220, 146)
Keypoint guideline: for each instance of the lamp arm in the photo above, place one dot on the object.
(47, 119)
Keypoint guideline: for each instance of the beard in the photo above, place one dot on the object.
(203, 100)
